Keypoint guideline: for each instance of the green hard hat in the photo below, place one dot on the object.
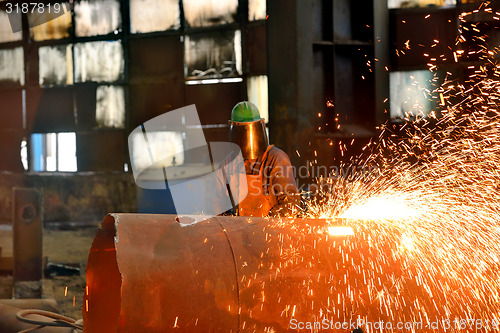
(245, 112)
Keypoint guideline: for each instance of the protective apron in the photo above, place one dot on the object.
(260, 199)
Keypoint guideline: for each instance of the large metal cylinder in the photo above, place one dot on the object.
(148, 273)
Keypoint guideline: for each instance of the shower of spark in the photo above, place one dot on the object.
(377, 208)
(340, 231)
(429, 219)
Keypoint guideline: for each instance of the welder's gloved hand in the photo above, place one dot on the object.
(287, 206)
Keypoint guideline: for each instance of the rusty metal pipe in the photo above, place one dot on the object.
(234, 274)
(157, 275)
(10, 324)
(148, 271)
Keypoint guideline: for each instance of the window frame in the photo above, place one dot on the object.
(124, 35)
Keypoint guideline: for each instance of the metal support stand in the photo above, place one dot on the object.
(27, 233)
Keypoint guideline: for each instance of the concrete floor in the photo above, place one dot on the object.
(60, 246)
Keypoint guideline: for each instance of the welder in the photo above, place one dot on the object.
(272, 190)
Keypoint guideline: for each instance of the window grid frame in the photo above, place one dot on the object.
(124, 35)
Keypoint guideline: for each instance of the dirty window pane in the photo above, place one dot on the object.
(418, 3)
(256, 10)
(213, 57)
(110, 108)
(204, 13)
(154, 15)
(50, 24)
(53, 151)
(6, 33)
(12, 65)
(43, 155)
(98, 61)
(66, 145)
(97, 17)
(257, 94)
(410, 94)
(55, 65)
(24, 154)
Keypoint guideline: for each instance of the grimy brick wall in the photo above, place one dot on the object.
(80, 197)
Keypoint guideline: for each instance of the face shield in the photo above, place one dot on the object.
(251, 137)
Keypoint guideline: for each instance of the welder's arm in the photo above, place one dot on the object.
(284, 188)
(229, 177)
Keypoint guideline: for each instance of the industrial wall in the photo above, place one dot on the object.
(83, 197)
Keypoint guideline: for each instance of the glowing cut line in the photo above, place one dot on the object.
(340, 231)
